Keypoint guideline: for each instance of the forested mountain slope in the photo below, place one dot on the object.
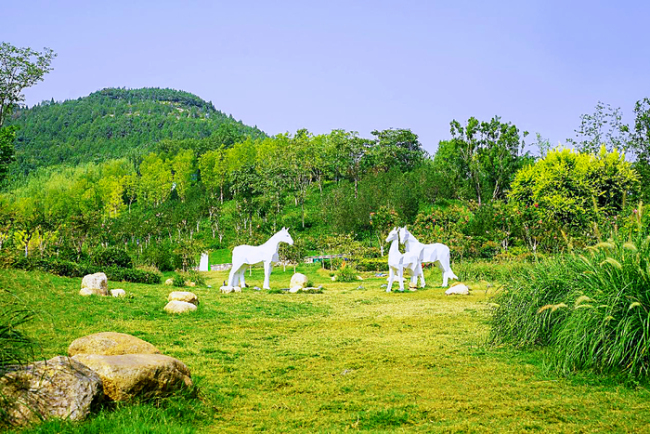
(115, 123)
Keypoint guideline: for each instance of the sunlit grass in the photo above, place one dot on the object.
(351, 358)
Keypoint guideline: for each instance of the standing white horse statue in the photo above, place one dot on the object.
(398, 262)
(249, 255)
(428, 253)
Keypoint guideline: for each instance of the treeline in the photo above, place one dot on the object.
(338, 193)
(113, 123)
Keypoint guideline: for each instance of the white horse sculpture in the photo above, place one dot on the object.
(398, 262)
(428, 253)
(249, 255)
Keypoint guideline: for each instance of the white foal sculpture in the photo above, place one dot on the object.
(398, 262)
(428, 253)
(249, 255)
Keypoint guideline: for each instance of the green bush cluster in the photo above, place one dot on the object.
(346, 274)
(591, 309)
(112, 256)
(72, 269)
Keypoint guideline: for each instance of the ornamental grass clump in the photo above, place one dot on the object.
(591, 309)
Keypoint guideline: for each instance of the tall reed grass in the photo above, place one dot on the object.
(590, 308)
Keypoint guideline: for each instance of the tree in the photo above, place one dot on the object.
(20, 68)
(487, 155)
(603, 127)
(7, 137)
(641, 142)
(570, 190)
(395, 148)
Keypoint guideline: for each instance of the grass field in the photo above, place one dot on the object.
(353, 358)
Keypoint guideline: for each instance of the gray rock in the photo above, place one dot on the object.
(59, 388)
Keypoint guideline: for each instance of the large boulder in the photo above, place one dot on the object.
(176, 306)
(188, 297)
(94, 284)
(59, 388)
(110, 344)
(137, 375)
(298, 279)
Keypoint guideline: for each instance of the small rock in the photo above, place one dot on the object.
(190, 284)
(226, 289)
(118, 292)
(359, 278)
(176, 306)
(257, 288)
(333, 278)
(298, 279)
(295, 289)
(384, 285)
(169, 282)
(188, 297)
(459, 289)
(360, 287)
(95, 283)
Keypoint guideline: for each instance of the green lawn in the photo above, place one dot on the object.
(349, 359)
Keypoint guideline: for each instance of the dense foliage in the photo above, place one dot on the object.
(114, 123)
(590, 309)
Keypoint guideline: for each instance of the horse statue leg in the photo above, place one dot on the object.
(419, 271)
(391, 277)
(268, 267)
(233, 277)
(443, 264)
(400, 276)
(242, 276)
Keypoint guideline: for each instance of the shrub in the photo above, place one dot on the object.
(178, 281)
(346, 274)
(590, 309)
(372, 265)
(112, 256)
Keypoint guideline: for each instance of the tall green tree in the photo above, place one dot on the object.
(602, 128)
(486, 155)
(20, 68)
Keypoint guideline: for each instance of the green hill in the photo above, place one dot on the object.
(115, 123)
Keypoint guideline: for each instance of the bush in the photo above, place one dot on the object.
(590, 309)
(71, 269)
(372, 265)
(112, 257)
(346, 274)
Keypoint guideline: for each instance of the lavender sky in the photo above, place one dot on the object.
(355, 65)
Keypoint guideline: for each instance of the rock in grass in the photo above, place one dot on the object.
(110, 344)
(169, 282)
(137, 375)
(186, 296)
(59, 388)
(118, 292)
(94, 284)
(176, 306)
(298, 280)
(459, 289)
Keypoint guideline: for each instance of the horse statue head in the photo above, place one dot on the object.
(283, 236)
(392, 235)
(404, 235)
